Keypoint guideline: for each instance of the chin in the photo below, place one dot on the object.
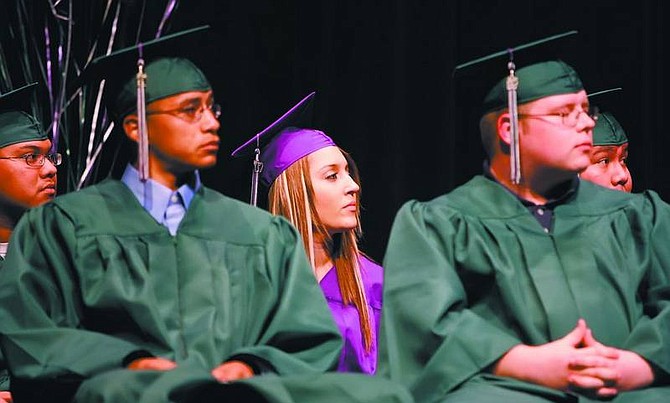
(207, 163)
(342, 227)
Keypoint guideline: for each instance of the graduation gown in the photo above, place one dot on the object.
(4, 375)
(472, 273)
(354, 357)
(92, 279)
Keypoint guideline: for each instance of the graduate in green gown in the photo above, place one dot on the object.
(28, 172)
(27, 166)
(156, 288)
(531, 288)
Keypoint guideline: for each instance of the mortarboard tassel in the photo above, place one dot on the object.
(143, 143)
(512, 84)
(258, 168)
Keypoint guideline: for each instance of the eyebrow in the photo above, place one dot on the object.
(30, 148)
(333, 166)
(195, 100)
(190, 101)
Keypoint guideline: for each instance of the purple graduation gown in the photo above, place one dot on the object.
(354, 358)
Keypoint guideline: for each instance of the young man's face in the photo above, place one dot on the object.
(26, 186)
(556, 133)
(609, 168)
(183, 132)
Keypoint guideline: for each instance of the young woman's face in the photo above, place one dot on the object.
(609, 168)
(335, 191)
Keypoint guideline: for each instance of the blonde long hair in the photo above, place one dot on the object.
(292, 196)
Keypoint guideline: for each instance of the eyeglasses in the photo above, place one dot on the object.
(37, 160)
(568, 119)
(191, 113)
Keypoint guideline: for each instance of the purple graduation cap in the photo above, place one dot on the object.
(283, 143)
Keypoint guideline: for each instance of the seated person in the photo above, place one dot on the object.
(156, 288)
(28, 172)
(531, 288)
(316, 186)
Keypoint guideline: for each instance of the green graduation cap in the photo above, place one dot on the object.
(524, 85)
(141, 74)
(608, 131)
(17, 124)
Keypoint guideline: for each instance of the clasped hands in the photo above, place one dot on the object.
(227, 372)
(577, 362)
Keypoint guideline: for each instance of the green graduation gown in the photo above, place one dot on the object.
(472, 273)
(91, 279)
(4, 375)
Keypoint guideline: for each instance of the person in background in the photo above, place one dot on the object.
(609, 156)
(316, 186)
(27, 172)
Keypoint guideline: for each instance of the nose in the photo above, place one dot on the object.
(48, 169)
(209, 121)
(589, 122)
(621, 175)
(352, 186)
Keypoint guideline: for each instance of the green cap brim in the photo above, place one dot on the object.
(608, 131)
(17, 124)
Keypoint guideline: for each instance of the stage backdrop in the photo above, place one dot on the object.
(383, 73)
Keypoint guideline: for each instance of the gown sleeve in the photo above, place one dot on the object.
(430, 340)
(296, 337)
(650, 336)
(41, 308)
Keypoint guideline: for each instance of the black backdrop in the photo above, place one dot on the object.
(383, 74)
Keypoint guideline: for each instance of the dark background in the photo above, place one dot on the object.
(382, 71)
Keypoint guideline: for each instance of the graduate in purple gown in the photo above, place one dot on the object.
(316, 186)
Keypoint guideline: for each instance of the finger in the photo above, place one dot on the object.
(591, 343)
(607, 392)
(609, 353)
(585, 382)
(157, 364)
(609, 376)
(605, 351)
(582, 361)
(589, 340)
(574, 338)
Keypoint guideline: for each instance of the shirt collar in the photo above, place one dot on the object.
(153, 196)
(564, 191)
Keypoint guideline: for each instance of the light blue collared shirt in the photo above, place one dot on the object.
(155, 197)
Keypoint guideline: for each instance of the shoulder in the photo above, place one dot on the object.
(220, 216)
(91, 202)
(480, 198)
(373, 278)
(369, 265)
(595, 199)
(109, 191)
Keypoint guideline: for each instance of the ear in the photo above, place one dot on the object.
(131, 127)
(504, 126)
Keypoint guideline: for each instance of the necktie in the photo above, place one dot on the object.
(174, 213)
